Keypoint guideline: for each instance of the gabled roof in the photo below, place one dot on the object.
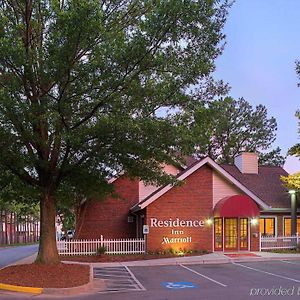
(266, 184)
(190, 170)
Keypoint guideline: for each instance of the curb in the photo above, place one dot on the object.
(68, 291)
(145, 263)
(21, 289)
(51, 291)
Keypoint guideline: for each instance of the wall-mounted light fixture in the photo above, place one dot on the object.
(254, 221)
(208, 221)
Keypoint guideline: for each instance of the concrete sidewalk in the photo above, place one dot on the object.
(211, 258)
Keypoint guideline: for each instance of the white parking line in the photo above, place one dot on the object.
(135, 279)
(265, 272)
(289, 262)
(206, 277)
(114, 276)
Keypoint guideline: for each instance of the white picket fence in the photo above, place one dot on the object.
(279, 242)
(90, 247)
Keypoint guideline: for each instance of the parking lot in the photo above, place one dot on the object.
(236, 280)
(242, 280)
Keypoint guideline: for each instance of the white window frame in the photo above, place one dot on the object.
(287, 217)
(269, 217)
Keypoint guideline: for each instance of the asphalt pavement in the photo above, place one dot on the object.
(235, 281)
(9, 255)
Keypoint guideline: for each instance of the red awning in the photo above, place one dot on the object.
(236, 206)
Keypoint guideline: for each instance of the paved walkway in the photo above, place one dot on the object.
(211, 258)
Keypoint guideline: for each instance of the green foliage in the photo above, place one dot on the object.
(82, 82)
(101, 250)
(272, 158)
(17, 197)
(293, 181)
(225, 127)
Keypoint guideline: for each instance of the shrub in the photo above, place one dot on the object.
(167, 251)
(101, 250)
(173, 251)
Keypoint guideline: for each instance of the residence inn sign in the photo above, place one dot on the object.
(176, 229)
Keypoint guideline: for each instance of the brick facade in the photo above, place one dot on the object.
(254, 237)
(190, 201)
(109, 217)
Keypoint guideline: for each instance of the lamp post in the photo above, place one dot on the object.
(293, 212)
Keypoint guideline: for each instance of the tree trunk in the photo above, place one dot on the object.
(17, 229)
(11, 224)
(47, 249)
(6, 229)
(1, 227)
(25, 229)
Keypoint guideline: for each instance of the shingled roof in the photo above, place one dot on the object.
(251, 190)
(266, 184)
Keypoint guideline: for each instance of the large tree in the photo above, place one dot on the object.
(225, 127)
(292, 181)
(81, 82)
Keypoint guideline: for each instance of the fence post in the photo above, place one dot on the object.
(101, 241)
(260, 242)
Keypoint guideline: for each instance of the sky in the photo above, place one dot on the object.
(258, 62)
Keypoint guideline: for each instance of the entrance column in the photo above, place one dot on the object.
(293, 212)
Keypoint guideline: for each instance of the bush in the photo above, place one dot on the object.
(173, 251)
(101, 250)
(167, 251)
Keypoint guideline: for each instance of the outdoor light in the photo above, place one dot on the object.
(254, 221)
(209, 221)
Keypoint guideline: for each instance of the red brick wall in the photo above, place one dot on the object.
(254, 236)
(109, 216)
(191, 201)
(280, 225)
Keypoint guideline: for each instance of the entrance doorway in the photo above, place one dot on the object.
(230, 234)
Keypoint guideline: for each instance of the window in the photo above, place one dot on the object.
(267, 226)
(287, 226)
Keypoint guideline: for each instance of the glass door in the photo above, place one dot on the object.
(218, 227)
(231, 234)
(243, 234)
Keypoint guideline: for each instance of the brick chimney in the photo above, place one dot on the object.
(247, 162)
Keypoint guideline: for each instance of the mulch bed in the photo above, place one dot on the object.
(118, 258)
(46, 276)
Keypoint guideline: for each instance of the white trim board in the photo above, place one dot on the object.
(190, 171)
